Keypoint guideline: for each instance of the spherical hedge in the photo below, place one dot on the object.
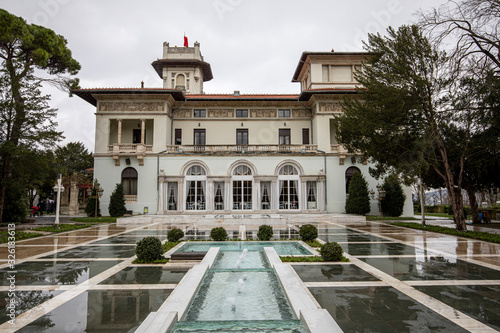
(331, 252)
(308, 232)
(218, 234)
(265, 232)
(175, 234)
(149, 249)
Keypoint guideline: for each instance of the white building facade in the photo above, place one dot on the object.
(177, 150)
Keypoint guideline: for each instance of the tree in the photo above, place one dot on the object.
(93, 200)
(409, 104)
(26, 118)
(471, 28)
(394, 200)
(358, 201)
(73, 157)
(117, 202)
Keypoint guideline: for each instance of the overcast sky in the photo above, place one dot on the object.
(252, 45)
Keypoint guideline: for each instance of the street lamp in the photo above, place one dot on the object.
(58, 188)
(381, 195)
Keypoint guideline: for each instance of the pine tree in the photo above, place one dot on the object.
(358, 201)
(90, 207)
(394, 201)
(117, 202)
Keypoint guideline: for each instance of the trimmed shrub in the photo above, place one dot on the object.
(331, 252)
(265, 232)
(117, 202)
(394, 201)
(175, 234)
(149, 249)
(308, 232)
(90, 208)
(358, 201)
(218, 234)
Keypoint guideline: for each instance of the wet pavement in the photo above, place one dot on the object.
(397, 280)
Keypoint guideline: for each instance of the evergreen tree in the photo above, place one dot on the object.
(394, 201)
(90, 208)
(117, 202)
(358, 201)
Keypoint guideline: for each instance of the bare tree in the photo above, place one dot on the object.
(471, 29)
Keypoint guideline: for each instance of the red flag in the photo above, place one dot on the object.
(185, 41)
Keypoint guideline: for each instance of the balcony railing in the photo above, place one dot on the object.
(242, 149)
(130, 148)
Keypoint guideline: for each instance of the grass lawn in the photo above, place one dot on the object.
(19, 235)
(438, 215)
(100, 219)
(62, 227)
(388, 218)
(480, 235)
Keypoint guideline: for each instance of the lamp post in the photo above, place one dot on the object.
(58, 188)
(380, 196)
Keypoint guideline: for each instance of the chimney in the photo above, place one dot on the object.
(142, 84)
(236, 93)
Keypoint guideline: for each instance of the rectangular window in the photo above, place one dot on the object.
(284, 113)
(341, 73)
(199, 113)
(305, 136)
(242, 137)
(326, 73)
(172, 191)
(284, 136)
(178, 136)
(265, 195)
(218, 195)
(199, 137)
(311, 189)
(241, 113)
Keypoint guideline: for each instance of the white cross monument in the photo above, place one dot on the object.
(58, 188)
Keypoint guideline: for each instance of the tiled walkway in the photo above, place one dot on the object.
(398, 280)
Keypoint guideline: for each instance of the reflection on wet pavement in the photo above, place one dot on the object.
(380, 309)
(103, 311)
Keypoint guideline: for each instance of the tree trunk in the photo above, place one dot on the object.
(473, 202)
(457, 203)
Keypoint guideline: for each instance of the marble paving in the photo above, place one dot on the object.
(397, 280)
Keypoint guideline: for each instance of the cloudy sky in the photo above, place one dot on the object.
(252, 45)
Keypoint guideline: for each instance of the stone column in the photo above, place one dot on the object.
(275, 194)
(73, 198)
(303, 195)
(180, 196)
(161, 180)
(227, 195)
(120, 131)
(143, 130)
(320, 192)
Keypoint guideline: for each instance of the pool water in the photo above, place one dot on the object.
(241, 292)
(282, 248)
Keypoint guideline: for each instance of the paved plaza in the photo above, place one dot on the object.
(397, 280)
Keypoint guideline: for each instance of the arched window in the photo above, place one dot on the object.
(196, 184)
(348, 175)
(196, 170)
(242, 170)
(288, 177)
(181, 81)
(288, 170)
(129, 181)
(242, 180)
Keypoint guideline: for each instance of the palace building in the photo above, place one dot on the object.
(178, 150)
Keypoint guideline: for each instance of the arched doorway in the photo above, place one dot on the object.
(288, 178)
(242, 181)
(196, 188)
(348, 175)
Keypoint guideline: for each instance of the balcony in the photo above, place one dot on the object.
(130, 148)
(246, 149)
(342, 153)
